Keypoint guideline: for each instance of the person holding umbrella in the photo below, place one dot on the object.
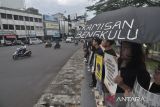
(131, 66)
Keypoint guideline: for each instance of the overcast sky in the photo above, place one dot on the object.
(63, 6)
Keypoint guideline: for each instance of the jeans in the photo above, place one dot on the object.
(99, 87)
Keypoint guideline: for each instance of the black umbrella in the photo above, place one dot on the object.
(141, 25)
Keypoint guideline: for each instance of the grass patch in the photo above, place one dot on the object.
(151, 65)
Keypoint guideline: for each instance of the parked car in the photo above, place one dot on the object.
(69, 39)
(17, 42)
(26, 42)
(8, 43)
(34, 41)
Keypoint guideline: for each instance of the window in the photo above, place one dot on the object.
(31, 19)
(40, 28)
(11, 27)
(3, 16)
(22, 27)
(28, 27)
(37, 27)
(40, 20)
(5, 26)
(36, 19)
(21, 18)
(9, 16)
(26, 18)
(32, 27)
(17, 27)
(15, 17)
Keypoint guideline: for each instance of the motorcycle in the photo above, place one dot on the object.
(57, 46)
(21, 52)
(76, 43)
(48, 45)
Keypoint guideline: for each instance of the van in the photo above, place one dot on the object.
(69, 39)
(34, 41)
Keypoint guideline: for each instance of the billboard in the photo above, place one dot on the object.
(73, 16)
(49, 18)
(54, 33)
(50, 25)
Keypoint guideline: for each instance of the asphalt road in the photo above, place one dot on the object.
(23, 81)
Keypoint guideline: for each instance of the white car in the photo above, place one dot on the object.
(34, 41)
(69, 39)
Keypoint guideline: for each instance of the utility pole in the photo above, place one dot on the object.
(59, 26)
(69, 19)
(64, 27)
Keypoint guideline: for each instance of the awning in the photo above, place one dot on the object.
(10, 36)
(22, 36)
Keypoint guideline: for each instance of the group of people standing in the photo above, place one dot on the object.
(131, 67)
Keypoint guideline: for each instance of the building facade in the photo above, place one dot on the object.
(63, 24)
(20, 24)
(51, 27)
(75, 23)
(70, 24)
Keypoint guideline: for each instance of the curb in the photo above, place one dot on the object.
(65, 89)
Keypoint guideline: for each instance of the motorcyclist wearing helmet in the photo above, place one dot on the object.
(57, 45)
(23, 49)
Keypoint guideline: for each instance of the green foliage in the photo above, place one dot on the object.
(151, 65)
(108, 5)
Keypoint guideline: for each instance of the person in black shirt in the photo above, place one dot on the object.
(99, 84)
(131, 65)
(155, 87)
(96, 44)
(85, 49)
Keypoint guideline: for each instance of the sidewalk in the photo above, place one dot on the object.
(69, 88)
(87, 95)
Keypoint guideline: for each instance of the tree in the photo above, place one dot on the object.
(108, 5)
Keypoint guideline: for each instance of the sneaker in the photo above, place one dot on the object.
(89, 70)
(94, 89)
(97, 97)
(100, 103)
(91, 85)
(85, 60)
